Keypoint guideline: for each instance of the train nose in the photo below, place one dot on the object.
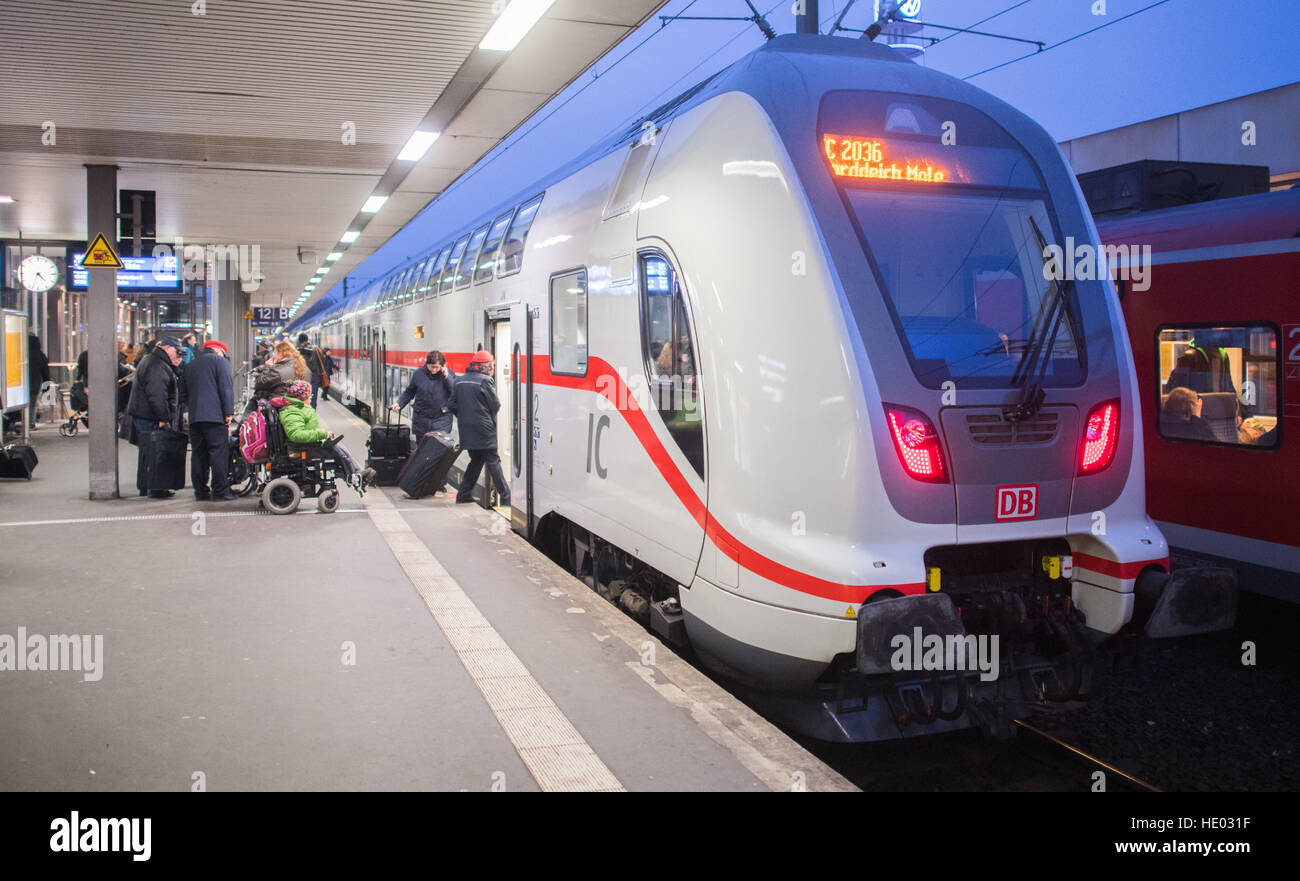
(1010, 471)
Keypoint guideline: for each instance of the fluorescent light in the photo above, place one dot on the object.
(373, 204)
(417, 146)
(514, 23)
(323, 270)
(6, 199)
(334, 255)
(350, 236)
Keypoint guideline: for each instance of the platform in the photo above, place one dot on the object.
(227, 636)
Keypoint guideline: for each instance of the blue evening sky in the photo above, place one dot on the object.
(1150, 58)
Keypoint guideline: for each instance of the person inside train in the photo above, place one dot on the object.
(1180, 416)
(430, 390)
(475, 405)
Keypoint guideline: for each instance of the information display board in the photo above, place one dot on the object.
(15, 361)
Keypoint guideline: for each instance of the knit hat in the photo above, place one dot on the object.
(299, 389)
(482, 356)
(216, 344)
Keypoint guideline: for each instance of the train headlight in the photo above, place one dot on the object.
(917, 444)
(1100, 438)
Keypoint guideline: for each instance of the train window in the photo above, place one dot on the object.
(1218, 385)
(422, 289)
(569, 323)
(466, 270)
(670, 357)
(435, 273)
(485, 268)
(512, 249)
(449, 274)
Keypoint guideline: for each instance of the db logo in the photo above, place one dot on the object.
(1017, 502)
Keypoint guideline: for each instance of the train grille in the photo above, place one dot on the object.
(993, 429)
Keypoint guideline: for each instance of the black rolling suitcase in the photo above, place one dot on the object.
(389, 450)
(17, 460)
(426, 472)
(164, 460)
(390, 441)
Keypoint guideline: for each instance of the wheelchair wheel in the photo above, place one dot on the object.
(281, 496)
(68, 430)
(328, 501)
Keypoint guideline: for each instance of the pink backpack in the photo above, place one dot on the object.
(252, 437)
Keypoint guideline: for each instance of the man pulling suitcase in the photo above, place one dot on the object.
(475, 404)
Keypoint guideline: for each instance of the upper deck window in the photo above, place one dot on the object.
(512, 249)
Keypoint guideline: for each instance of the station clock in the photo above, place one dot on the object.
(38, 273)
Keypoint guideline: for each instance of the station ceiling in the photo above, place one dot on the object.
(239, 117)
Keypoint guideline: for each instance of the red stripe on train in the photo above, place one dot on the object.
(1114, 569)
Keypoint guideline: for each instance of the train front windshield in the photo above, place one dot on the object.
(949, 210)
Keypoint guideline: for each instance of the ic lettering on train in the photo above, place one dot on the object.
(1017, 502)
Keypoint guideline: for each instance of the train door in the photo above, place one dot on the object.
(522, 412)
(499, 344)
(345, 375)
(378, 361)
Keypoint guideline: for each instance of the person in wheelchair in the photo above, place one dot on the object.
(302, 429)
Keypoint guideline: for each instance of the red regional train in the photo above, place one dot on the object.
(1216, 344)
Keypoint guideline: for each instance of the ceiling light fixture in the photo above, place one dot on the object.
(418, 144)
(350, 236)
(514, 23)
(334, 255)
(373, 204)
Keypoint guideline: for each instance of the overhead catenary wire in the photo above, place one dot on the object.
(1066, 40)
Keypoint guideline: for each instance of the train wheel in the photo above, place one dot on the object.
(281, 496)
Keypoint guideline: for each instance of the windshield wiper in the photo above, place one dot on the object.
(1042, 341)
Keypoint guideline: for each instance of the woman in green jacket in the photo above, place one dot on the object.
(298, 418)
(301, 426)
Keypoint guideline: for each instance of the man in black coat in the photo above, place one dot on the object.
(431, 389)
(315, 364)
(38, 371)
(211, 390)
(155, 399)
(476, 404)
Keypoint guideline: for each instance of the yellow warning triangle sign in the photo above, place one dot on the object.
(248, 314)
(100, 255)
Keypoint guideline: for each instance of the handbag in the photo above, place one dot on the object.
(324, 374)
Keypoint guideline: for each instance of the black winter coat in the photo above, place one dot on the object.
(210, 387)
(475, 405)
(315, 360)
(156, 392)
(432, 396)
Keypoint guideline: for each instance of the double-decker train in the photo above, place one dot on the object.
(785, 371)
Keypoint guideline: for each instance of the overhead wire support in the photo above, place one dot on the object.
(1039, 43)
(757, 18)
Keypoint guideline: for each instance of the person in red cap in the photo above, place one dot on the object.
(475, 404)
(211, 394)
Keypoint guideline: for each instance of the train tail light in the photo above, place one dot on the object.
(1100, 438)
(917, 444)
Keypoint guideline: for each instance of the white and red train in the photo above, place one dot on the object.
(783, 371)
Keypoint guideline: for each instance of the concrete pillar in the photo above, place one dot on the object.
(101, 308)
(229, 305)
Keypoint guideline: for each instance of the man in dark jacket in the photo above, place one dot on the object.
(431, 389)
(155, 398)
(315, 363)
(38, 371)
(475, 404)
(211, 390)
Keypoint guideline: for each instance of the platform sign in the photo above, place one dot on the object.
(100, 255)
(15, 361)
(270, 316)
(150, 274)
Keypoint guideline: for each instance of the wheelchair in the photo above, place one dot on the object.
(291, 472)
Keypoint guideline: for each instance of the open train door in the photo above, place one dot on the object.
(521, 410)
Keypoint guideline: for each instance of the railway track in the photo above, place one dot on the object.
(1035, 740)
